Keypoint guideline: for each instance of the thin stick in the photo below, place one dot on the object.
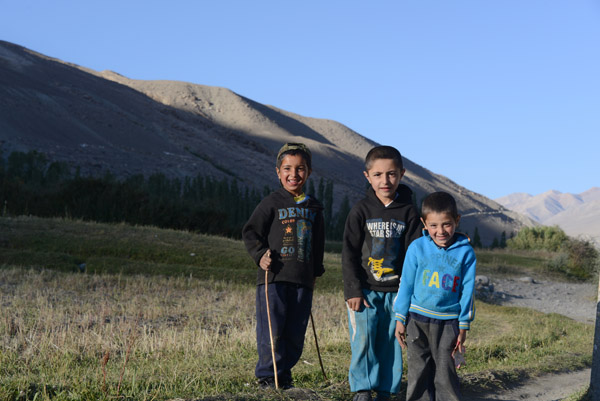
(103, 363)
(270, 328)
(131, 340)
(312, 320)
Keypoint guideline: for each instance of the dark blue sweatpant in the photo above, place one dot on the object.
(290, 306)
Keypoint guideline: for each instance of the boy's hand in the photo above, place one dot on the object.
(265, 260)
(401, 334)
(460, 341)
(356, 302)
(458, 354)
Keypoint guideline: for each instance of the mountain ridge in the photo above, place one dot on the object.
(577, 214)
(106, 121)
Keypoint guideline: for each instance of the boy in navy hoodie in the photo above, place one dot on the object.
(285, 237)
(435, 303)
(377, 233)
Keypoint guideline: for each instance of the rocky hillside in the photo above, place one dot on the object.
(576, 214)
(104, 121)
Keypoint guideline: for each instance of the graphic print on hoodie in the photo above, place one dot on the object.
(296, 242)
(385, 246)
(304, 229)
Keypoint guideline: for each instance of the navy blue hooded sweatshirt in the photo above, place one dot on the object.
(295, 234)
(376, 238)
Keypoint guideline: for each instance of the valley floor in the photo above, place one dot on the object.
(575, 300)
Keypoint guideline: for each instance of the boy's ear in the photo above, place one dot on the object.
(366, 173)
(457, 220)
(423, 221)
(402, 173)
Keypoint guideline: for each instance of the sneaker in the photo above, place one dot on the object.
(382, 397)
(266, 382)
(269, 382)
(286, 383)
(364, 395)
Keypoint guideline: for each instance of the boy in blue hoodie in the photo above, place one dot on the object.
(435, 302)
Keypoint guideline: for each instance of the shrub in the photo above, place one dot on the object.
(578, 259)
(539, 238)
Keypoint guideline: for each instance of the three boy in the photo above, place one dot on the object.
(432, 306)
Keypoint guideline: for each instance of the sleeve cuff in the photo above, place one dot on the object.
(400, 318)
(464, 325)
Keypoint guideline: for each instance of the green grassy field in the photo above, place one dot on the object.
(164, 314)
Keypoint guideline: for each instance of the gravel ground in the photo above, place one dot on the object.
(545, 388)
(577, 301)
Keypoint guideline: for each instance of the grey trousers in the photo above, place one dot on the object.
(431, 372)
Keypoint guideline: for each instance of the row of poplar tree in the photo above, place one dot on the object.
(32, 185)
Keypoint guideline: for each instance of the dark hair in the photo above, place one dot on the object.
(439, 202)
(383, 152)
(295, 149)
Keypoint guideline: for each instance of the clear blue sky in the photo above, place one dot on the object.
(500, 96)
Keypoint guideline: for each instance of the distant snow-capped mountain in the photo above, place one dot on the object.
(576, 214)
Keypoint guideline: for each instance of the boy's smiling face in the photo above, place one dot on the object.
(293, 173)
(384, 176)
(441, 228)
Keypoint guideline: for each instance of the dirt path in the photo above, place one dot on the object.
(577, 301)
(546, 388)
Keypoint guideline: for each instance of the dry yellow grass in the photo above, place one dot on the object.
(180, 333)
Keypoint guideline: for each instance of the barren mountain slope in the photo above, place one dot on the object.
(102, 120)
(583, 220)
(576, 214)
(540, 207)
(591, 194)
(338, 146)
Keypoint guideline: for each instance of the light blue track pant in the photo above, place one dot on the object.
(376, 362)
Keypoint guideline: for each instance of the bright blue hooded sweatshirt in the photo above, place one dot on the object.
(438, 282)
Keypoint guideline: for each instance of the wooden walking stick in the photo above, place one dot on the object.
(270, 328)
(312, 320)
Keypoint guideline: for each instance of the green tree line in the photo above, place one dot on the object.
(32, 185)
